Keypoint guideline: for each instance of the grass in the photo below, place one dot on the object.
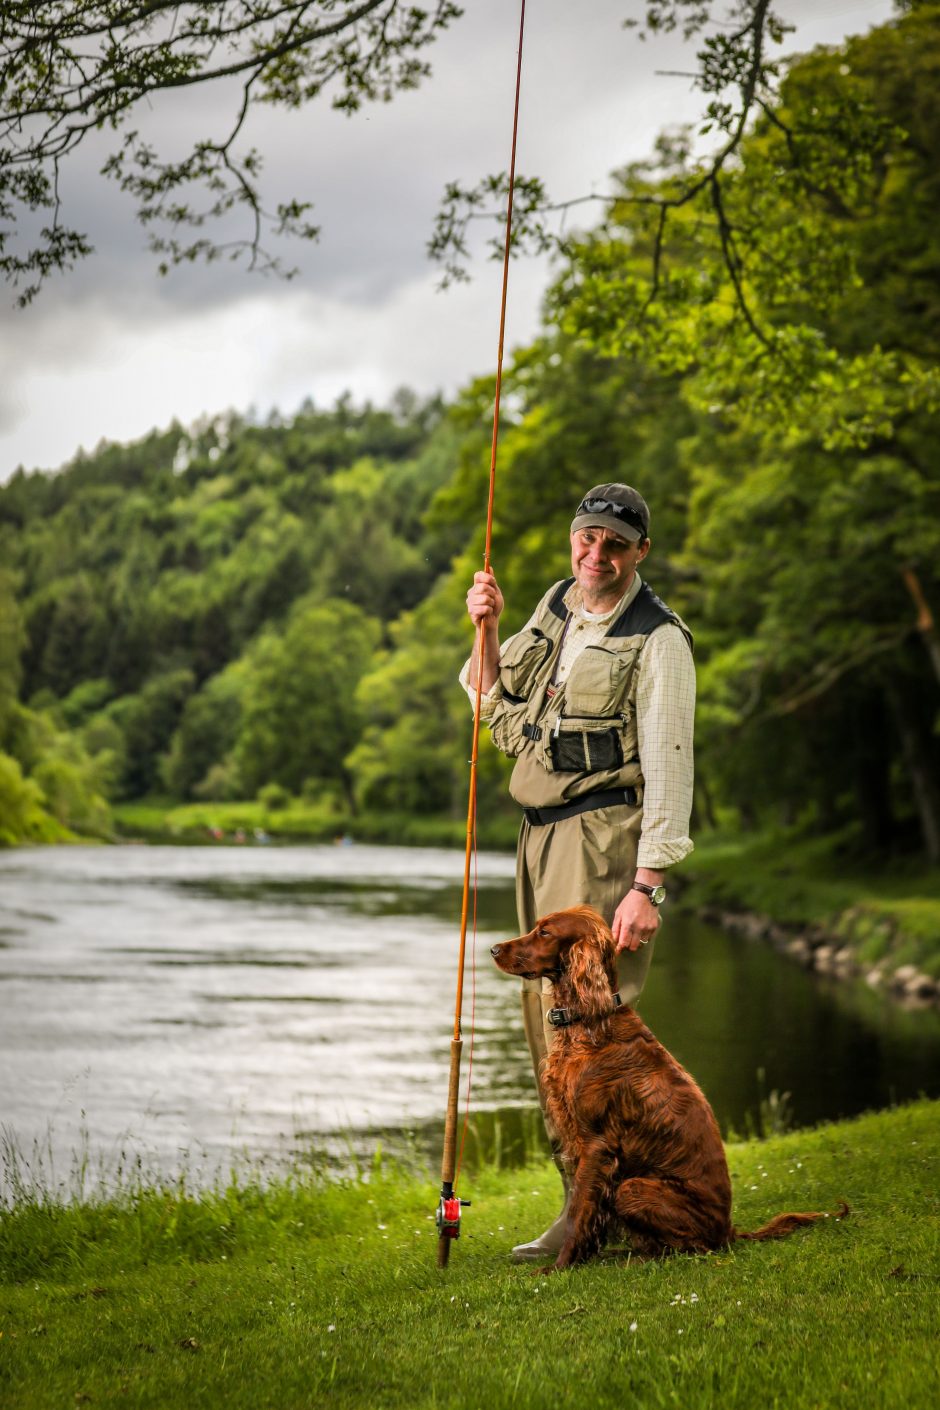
(307, 1293)
(889, 917)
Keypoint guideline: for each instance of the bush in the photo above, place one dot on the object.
(222, 784)
(21, 815)
(274, 797)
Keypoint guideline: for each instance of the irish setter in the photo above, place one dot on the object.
(639, 1139)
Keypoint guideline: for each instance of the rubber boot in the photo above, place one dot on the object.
(547, 1246)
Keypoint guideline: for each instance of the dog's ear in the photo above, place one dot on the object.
(591, 969)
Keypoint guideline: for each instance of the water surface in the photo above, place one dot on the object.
(198, 1006)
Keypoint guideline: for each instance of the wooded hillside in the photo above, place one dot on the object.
(215, 611)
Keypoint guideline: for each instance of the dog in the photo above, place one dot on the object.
(639, 1140)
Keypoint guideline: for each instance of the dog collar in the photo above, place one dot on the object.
(563, 1018)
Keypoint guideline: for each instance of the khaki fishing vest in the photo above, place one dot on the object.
(579, 736)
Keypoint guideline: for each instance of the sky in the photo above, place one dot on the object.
(112, 350)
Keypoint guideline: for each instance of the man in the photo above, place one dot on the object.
(594, 699)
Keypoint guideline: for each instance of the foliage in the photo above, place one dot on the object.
(68, 69)
(812, 479)
(205, 736)
(237, 605)
(299, 720)
(151, 581)
(22, 818)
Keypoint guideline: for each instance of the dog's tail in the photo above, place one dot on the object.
(783, 1224)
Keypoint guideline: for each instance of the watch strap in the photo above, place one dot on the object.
(650, 891)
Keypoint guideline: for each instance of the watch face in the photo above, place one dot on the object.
(658, 895)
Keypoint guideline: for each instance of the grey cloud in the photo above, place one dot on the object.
(591, 100)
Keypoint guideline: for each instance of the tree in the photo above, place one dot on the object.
(299, 718)
(21, 815)
(812, 370)
(207, 731)
(69, 68)
(11, 646)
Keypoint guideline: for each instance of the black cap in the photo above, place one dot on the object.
(615, 507)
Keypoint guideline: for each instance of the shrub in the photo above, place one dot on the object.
(274, 797)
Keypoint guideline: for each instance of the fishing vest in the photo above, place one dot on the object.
(579, 736)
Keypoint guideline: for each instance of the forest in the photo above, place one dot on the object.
(274, 609)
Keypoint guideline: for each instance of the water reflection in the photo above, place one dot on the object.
(196, 1004)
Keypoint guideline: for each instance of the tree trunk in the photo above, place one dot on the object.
(917, 751)
(872, 767)
(925, 622)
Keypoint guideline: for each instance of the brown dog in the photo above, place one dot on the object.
(638, 1137)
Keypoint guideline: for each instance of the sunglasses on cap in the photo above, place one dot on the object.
(623, 512)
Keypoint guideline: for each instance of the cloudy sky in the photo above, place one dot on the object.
(112, 350)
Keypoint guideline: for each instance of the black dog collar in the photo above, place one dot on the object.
(563, 1018)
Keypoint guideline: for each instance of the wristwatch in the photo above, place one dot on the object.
(657, 894)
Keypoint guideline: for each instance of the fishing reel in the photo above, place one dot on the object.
(448, 1222)
(448, 1215)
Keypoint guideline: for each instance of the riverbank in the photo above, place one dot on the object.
(310, 1293)
(257, 823)
(813, 900)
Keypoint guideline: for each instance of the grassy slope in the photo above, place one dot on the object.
(889, 917)
(329, 1295)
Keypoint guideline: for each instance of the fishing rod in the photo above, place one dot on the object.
(449, 1207)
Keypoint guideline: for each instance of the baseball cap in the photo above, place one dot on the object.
(615, 507)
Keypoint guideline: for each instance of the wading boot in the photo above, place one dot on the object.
(547, 1246)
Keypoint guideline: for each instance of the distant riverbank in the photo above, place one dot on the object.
(256, 822)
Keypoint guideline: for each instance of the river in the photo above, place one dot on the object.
(201, 1008)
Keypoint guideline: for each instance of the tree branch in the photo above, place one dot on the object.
(69, 67)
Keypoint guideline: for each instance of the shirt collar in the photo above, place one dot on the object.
(575, 603)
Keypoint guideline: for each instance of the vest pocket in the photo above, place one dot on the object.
(519, 663)
(581, 749)
(595, 682)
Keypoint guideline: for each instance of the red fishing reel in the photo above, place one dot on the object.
(448, 1216)
(448, 1222)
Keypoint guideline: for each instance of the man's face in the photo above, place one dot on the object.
(603, 565)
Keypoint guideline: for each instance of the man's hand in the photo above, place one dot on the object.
(485, 603)
(636, 919)
(484, 600)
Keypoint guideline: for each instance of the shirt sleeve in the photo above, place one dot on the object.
(487, 700)
(665, 716)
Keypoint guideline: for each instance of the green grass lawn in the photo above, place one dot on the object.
(311, 1293)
